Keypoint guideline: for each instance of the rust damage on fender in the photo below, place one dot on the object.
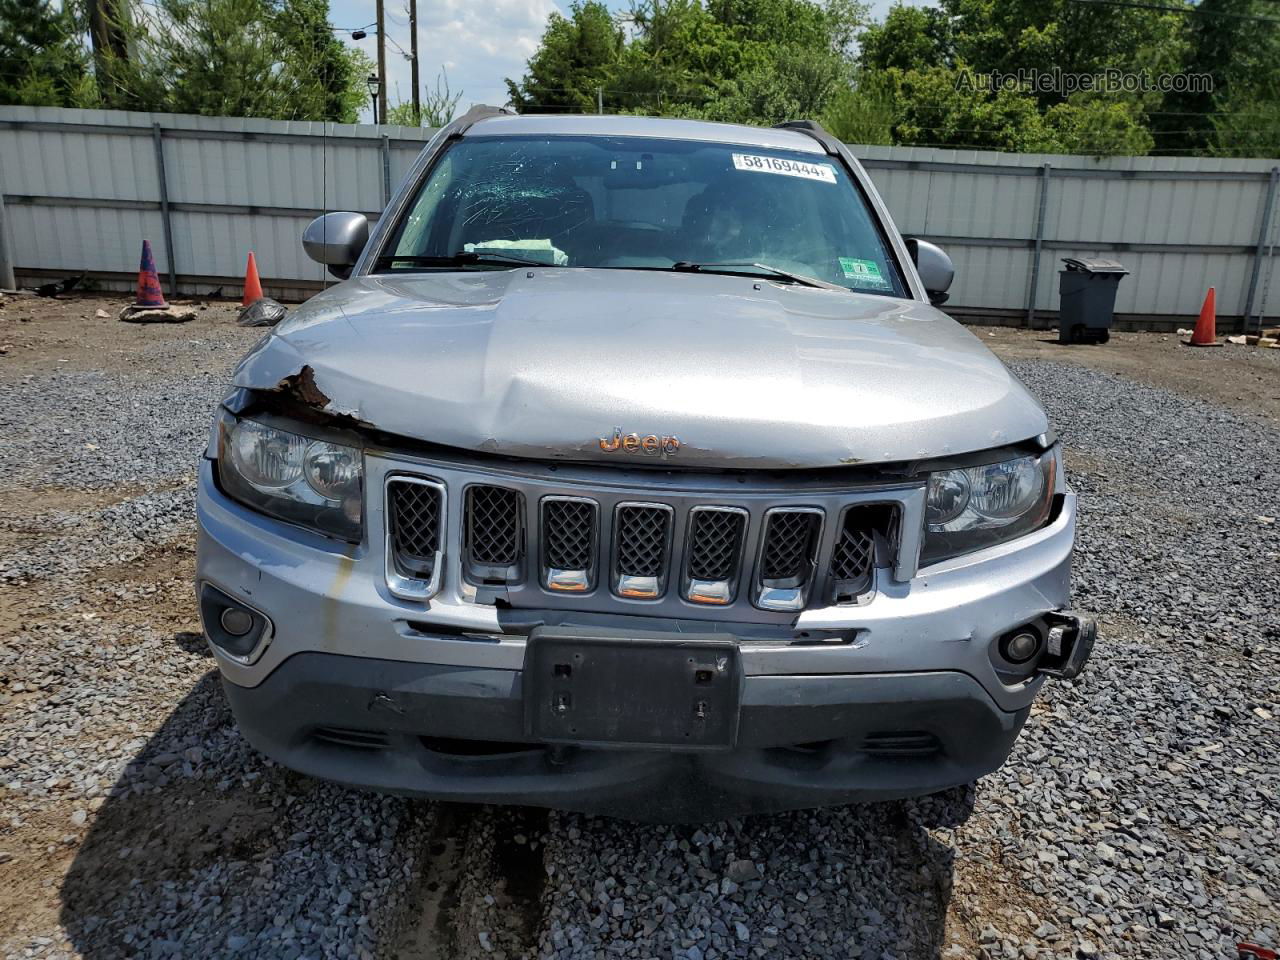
(301, 386)
(299, 395)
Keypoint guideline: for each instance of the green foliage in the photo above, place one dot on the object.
(910, 78)
(437, 107)
(910, 38)
(863, 111)
(578, 54)
(276, 59)
(736, 60)
(1098, 127)
(42, 60)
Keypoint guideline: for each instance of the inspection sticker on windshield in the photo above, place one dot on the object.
(864, 273)
(788, 168)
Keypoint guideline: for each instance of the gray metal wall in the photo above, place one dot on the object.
(82, 188)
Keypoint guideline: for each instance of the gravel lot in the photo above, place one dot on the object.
(1137, 817)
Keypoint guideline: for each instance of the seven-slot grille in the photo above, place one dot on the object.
(722, 550)
(413, 509)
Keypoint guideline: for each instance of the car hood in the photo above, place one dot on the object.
(744, 372)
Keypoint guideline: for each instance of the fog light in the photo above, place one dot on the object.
(239, 632)
(236, 621)
(1021, 647)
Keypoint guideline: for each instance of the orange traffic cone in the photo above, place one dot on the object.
(149, 293)
(1206, 332)
(252, 286)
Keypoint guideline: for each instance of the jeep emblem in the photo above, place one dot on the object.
(652, 445)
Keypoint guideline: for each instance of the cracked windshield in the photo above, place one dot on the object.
(645, 204)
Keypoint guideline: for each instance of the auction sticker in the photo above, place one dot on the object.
(864, 273)
(788, 168)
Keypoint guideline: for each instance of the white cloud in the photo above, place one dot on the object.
(478, 44)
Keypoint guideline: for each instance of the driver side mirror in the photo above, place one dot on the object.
(336, 240)
(935, 268)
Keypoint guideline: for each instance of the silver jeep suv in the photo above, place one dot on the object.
(632, 470)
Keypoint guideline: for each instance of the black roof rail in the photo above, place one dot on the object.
(477, 113)
(813, 129)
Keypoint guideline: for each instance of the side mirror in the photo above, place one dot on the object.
(935, 268)
(336, 240)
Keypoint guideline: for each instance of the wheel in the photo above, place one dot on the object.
(1102, 336)
(1078, 333)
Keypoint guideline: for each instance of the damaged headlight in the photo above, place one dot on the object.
(975, 507)
(313, 483)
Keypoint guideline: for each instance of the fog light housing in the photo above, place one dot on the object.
(236, 621)
(1021, 646)
(238, 631)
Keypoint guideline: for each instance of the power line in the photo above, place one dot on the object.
(1182, 11)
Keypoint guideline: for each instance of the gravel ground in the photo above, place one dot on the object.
(1136, 818)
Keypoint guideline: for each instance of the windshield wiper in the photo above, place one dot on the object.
(460, 259)
(734, 267)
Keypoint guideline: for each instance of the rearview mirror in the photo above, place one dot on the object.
(935, 268)
(336, 240)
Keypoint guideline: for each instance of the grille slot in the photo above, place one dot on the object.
(714, 553)
(414, 509)
(787, 551)
(853, 558)
(346, 737)
(641, 538)
(493, 525)
(569, 544)
(901, 744)
(789, 539)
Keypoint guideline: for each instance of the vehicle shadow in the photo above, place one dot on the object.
(204, 848)
(201, 842)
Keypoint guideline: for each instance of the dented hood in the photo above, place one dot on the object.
(544, 363)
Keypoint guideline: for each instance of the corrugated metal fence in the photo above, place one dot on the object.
(81, 188)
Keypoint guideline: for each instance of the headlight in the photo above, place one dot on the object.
(975, 507)
(313, 483)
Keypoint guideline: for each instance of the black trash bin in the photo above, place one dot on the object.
(1088, 290)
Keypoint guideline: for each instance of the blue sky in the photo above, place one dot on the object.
(478, 42)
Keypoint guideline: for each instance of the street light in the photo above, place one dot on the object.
(374, 86)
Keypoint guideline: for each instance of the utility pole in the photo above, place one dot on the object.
(107, 37)
(599, 99)
(413, 62)
(382, 65)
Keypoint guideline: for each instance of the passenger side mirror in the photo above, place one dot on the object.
(935, 268)
(336, 240)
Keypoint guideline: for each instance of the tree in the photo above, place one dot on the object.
(577, 55)
(43, 62)
(438, 107)
(759, 60)
(863, 111)
(276, 59)
(958, 73)
(1235, 113)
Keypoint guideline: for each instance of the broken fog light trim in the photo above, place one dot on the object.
(311, 483)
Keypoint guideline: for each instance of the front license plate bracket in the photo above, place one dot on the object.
(631, 691)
